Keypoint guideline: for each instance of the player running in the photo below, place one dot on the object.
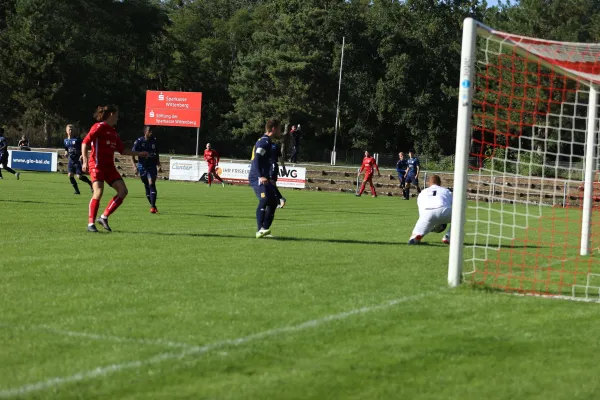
(412, 174)
(104, 141)
(435, 211)
(258, 178)
(146, 167)
(276, 157)
(4, 156)
(212, 158)
(368, 165)
(73, 152)
(401, 167)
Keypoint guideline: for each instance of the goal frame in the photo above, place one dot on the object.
(472, 28)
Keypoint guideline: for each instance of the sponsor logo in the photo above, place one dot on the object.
(182, 166)
(289, 173)
(465, 84)
(161, 96)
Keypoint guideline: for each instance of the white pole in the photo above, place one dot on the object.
(197, 140)
(337, 112)
(588, 186)
(463, 143)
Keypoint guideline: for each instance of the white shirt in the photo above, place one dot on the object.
(434, 197)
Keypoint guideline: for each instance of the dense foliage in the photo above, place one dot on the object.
(255, 59)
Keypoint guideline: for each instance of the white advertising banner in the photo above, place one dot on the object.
(185, 170)
(192, 170)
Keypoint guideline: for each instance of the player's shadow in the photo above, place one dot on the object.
(34, 202)
(433, 243)
(189, 214)
(279, 238)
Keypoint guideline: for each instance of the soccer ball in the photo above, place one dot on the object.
(439, 228)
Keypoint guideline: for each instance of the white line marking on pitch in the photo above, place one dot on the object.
(95, 336)
(197, 350)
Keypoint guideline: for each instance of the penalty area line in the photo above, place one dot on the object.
(199, 350)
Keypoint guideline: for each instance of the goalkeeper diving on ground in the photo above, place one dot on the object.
(435, 211)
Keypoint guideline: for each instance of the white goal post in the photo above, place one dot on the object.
(527, 130)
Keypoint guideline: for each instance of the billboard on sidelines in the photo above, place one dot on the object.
(45, 161)
(193, 170)
(184, 170)
(173, 108)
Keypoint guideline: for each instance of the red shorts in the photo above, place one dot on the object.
(212, 168)
(368, 177)
(108, 175)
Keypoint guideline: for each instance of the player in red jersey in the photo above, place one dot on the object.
(104, 140)
(369, 165)
(212, 159)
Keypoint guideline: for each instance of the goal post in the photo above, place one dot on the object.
(525, 213)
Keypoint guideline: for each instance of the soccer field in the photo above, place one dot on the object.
(187, 304)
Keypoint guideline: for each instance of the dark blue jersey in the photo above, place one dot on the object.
(261, 161)
(73, 148)
(401, 166)
(3, 145)
(150, 146)
(413, 163)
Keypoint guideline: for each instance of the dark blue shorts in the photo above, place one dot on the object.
(264, 191)
(74, 167)
(412, 178)
(149, 173)
(402, 176)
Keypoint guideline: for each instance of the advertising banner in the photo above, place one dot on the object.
(181, 109)
(185, 170)
(33, 160)
(193, 170)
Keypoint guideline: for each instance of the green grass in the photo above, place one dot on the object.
(194, 276)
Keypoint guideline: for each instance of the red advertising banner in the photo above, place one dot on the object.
(173, 108)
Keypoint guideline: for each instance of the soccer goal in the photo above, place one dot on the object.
(525, 215)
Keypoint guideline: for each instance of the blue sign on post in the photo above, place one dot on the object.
(32, 161)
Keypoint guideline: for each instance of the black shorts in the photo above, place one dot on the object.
(74, 167)
(4, 159)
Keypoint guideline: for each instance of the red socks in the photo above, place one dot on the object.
(112, 206)
(94, 205)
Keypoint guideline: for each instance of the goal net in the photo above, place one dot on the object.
(526, 216)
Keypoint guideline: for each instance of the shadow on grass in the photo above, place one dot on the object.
(203, 215)
(290, 239)
(35, 202)
(278, 239)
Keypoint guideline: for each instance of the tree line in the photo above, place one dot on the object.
(256, 59)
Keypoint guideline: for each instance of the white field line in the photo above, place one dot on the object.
(198, 350)
(100, 337)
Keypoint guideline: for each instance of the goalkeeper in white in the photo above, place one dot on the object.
(435, 211)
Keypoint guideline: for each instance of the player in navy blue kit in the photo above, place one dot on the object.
(276, 157)
(401, 167)
(149, 167)
(412, 174)
(259, 179)
(73, 153)
(4, 156)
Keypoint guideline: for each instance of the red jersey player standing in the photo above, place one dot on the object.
(104, 141)
(212, 159)
(369, 165)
